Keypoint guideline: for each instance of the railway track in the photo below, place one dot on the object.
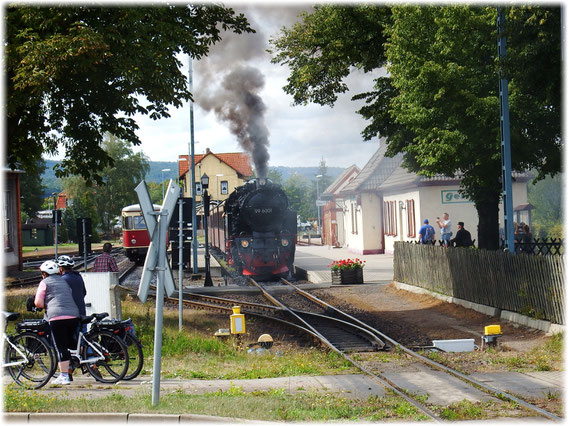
(343, 334)
(34, 280)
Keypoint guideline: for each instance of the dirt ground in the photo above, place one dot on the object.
(415, 320)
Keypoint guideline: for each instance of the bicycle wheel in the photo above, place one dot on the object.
(135, 356)
(115, 363)
(39, 364)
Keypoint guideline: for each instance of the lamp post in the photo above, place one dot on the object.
(218, 189)
(317, 199)
(206, 198)
(163, 170)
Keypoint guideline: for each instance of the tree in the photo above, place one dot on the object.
(32, 190)
(440, 104)
(119, 180)
(275, 176)
(296, 189)
(75, 73)
(155, 190)
(546, 196)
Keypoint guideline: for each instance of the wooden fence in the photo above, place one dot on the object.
(529, 285)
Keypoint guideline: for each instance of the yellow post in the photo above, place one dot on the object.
(237, 321)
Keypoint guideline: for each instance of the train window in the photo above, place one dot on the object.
(127, 222)
(139, 222)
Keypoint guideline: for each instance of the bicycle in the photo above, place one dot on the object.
(99, 352)
(125, 330)
(28, 355)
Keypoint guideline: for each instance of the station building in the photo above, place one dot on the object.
(226, 171)
(11, 220)
(385, 203)
(333, 222)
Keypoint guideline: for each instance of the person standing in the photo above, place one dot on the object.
(74, 280)
(446, 228)
(105, 262)
(463, 237)
(56, 297)
(427, 234)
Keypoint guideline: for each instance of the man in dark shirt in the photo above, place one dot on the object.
(74, 280)
(105, 262)
(463, 237)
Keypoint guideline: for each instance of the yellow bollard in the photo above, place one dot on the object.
(237, 321)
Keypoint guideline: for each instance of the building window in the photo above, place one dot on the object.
(389, 221)
(224, 187)
(198, 189)
(411, 218)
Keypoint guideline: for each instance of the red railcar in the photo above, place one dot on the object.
(135, 237)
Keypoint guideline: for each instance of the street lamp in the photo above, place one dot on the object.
(163, 170)
(317, 199)
(218, 190)
(206, 198)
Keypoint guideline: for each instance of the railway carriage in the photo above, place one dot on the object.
(135, 236)
(256, 230)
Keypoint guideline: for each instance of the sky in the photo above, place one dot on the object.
(296, 135)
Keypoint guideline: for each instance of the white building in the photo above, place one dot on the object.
(386, 203)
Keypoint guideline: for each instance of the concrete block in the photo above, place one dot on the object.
(525, 320)
(484, 309)
(153, 418)
(199, 418)
(555, 329)
(15, 417)
(78, 418)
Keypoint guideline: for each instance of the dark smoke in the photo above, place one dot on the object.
(237, 103)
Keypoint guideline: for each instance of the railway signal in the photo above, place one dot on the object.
(156, 262)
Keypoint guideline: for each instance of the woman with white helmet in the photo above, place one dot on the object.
(55, 295)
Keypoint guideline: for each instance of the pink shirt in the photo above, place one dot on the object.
(40, 301)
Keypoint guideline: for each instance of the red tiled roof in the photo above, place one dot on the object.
(239, 161)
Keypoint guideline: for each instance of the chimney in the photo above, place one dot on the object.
(207, 150)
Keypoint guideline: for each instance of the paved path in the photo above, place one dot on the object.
(315, 260)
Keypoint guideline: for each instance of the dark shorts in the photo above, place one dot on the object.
(64, 335)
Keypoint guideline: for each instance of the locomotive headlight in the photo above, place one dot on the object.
(284, 242)
(133, 240)
(244, 243)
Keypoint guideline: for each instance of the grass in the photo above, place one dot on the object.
(269, 405)
(545, 357)
(196, 354)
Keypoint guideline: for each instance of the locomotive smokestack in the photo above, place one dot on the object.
(237, 102)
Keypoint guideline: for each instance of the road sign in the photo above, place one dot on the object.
(152, 225)
(321, 203)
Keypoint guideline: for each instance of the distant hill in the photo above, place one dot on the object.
(53, 184)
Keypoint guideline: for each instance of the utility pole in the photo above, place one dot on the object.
(192, 166)
(506, 167)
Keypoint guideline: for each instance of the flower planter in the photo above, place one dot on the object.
(347, 276)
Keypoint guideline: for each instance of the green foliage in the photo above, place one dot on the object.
(546, 196)
(439, 104)
(275, 176)
(32, 190)
(464, 410)
(296, 189)
(77, 72)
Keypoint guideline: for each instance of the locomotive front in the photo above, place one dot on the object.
(262, 230)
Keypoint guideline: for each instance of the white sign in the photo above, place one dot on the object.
(147, 208)
(321, 203)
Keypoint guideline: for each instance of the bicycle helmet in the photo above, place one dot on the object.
(65, 261)
(49, 267)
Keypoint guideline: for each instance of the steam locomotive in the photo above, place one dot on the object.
(256, 229)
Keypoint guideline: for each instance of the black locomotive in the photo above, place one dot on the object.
(256, 229)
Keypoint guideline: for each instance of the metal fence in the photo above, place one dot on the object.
(538, 246)
(529, 285)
